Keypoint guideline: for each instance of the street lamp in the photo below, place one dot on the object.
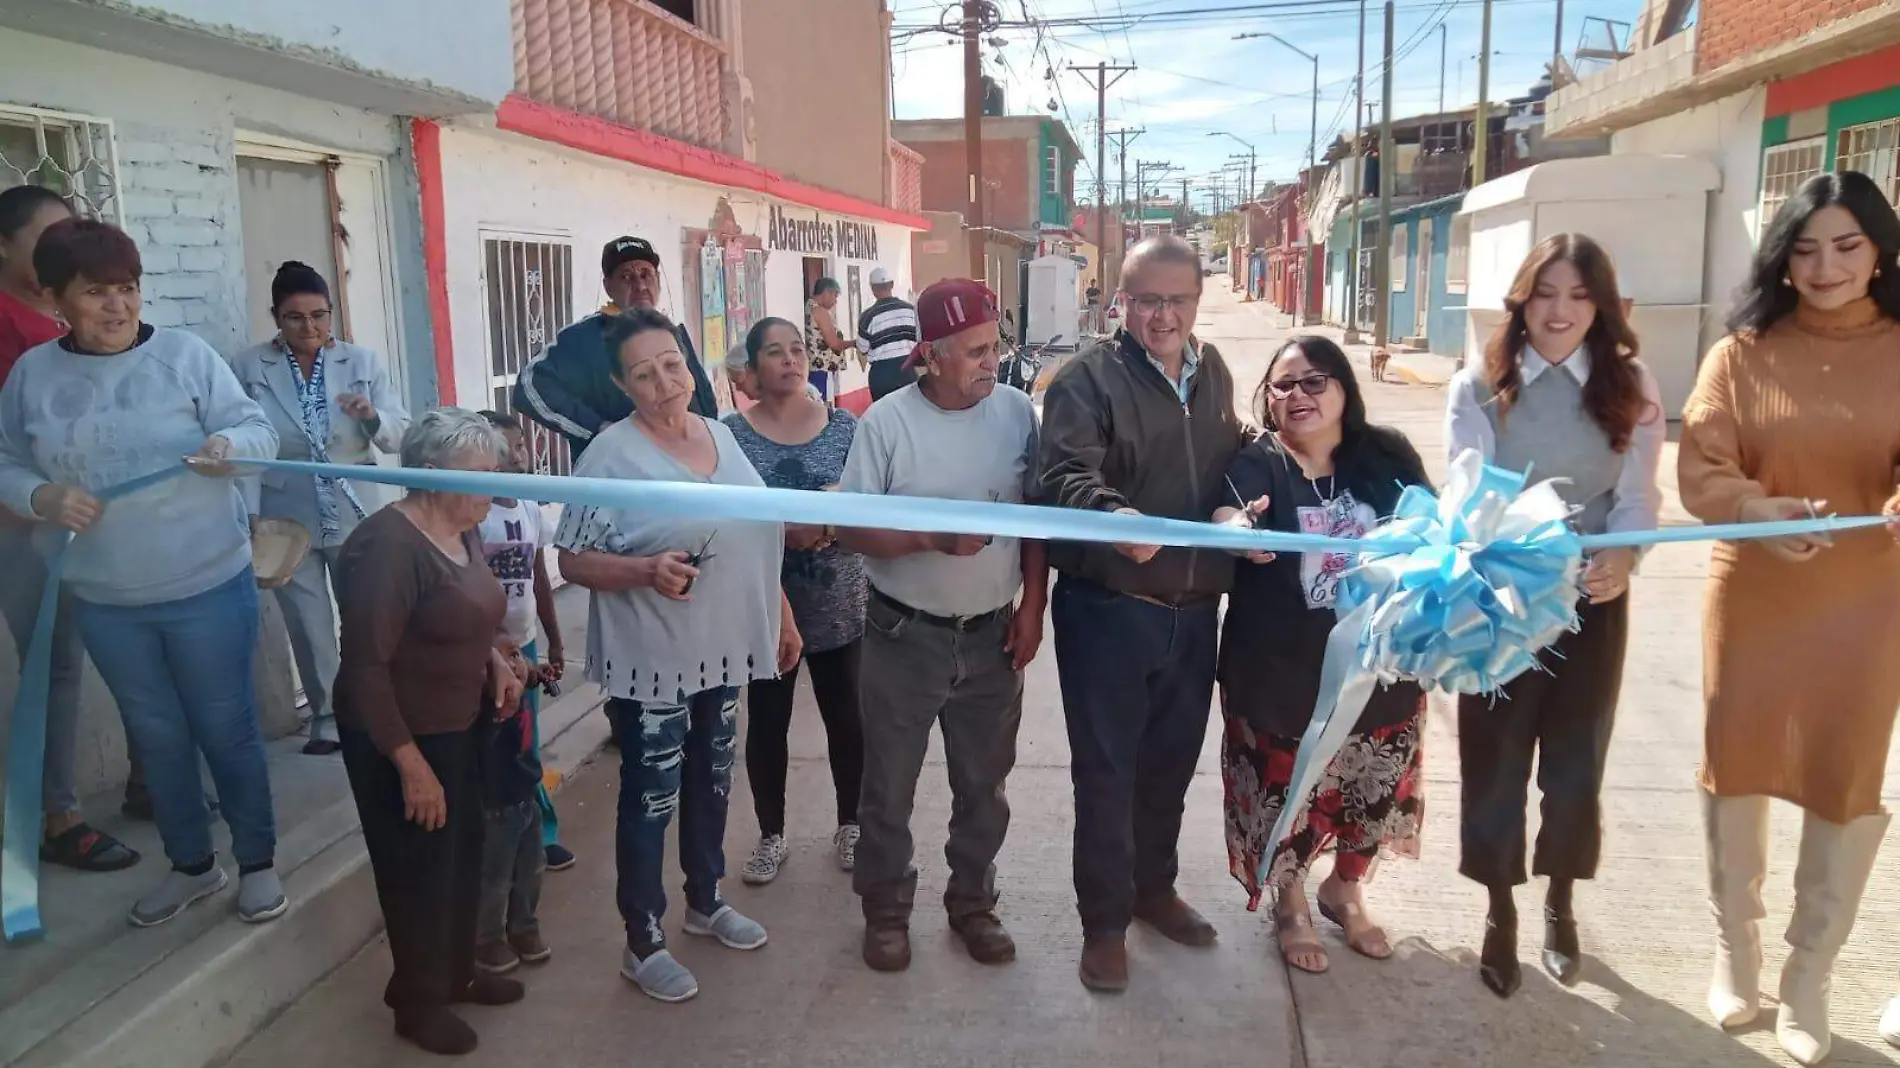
(1312, 144)
(1251, 155)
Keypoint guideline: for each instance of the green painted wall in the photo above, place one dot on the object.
(1053, 207)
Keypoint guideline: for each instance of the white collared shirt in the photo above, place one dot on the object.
(1636, 502)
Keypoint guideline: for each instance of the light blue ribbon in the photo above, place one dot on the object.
(26, 745)
(1459, 592)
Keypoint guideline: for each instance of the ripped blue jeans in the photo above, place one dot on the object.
(673, 758)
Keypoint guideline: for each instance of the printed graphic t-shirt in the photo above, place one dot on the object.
(512, 539)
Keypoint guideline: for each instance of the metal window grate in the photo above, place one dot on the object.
(1873, 149)
(1783, 169)
(71, 154)
(529, 285)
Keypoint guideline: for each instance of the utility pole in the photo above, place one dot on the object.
(1122, 139)
(1556, 46)
(973, 127)
(1441, 66)
(1382, 259)
(1358, 184)
(1100, 83)
(1481, 140)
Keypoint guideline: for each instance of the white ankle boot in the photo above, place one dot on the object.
(1890, 1022)
(1736, 833)
(1836, 861)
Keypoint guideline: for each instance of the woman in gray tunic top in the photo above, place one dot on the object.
(678, 621)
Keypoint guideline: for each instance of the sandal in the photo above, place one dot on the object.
(1362, 935)
(87, 849)
(1297, 935)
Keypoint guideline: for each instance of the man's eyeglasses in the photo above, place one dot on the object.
(299, 320)
(1149, 303)
(1312, 385)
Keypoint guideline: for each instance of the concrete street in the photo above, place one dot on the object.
(806, 999)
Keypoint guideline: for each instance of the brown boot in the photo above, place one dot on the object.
(1176, 919)
(985, 937)
(1105, 963)
(886, 947)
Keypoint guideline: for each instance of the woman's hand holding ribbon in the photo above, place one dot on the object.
(67, 506)
(1794, 548)
(1608, 574)
(1246, 519)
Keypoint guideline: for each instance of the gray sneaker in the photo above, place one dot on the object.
(728, 926)
(659, 977)
(261, 896)
(173, 896)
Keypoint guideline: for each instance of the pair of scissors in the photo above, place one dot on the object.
(696, 559)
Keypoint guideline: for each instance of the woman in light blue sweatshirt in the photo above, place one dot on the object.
(166, 602)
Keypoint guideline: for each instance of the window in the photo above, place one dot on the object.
(1401, 261)
(1783, 169)
(528, 284)
(1052, 171)
(71, 154)
(1458, 254)
(1871, 150)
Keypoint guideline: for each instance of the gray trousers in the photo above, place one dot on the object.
(914, 674)
(311, 621)
(21, 587)
(512, 862)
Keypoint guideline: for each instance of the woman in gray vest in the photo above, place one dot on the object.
(1561, 394)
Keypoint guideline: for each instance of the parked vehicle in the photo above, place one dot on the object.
(1020, 366)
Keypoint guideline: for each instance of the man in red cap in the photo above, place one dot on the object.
(948, 638)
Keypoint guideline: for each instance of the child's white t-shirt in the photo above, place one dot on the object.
(512, 540)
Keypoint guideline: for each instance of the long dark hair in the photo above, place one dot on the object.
(629, 324)
(1364, 450)
(1613, 398)
(755, 337)
(1767, 296)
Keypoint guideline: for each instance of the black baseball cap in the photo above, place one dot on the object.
(622, 249)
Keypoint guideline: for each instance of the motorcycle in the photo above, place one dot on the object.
(1020, 367)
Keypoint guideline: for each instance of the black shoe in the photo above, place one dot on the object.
(1497, 964)
(560, 858)
(436, 1030)
(1563, 958)
(322, 747)
(490, 990)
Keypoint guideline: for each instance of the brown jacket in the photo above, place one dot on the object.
(1116, 435)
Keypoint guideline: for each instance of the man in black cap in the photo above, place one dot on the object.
(569, 388)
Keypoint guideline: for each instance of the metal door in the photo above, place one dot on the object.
(528, 290)
(285, 210)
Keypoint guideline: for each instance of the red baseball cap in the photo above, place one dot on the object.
(953, 305)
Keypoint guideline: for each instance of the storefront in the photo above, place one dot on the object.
(523, 219)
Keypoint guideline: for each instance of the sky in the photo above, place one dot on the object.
(1199, 93)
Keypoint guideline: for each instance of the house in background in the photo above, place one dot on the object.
(1771, 93)
(1430, 246)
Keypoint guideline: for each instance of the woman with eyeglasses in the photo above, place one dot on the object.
(1320, 468)
(1561, 395)
(331, 402)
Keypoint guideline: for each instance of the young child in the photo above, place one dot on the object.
(506, 929)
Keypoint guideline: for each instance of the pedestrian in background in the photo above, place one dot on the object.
(825, 344)
(1320, 468)
(1561, 395)
(330, 402)
(1793, 413)
(420, 670)
(796, 442)
(28, 317)
(161, 578)
(1140, 423)
(674, 629)
(948, 638)
(887, 334)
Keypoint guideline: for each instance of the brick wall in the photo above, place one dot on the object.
(180, 204)
(1005, 162)
(1728, 30)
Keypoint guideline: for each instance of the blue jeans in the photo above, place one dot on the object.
(672, 758)
(181, 674)
(1137, 686)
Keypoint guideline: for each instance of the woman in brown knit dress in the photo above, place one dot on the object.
(1798, 410)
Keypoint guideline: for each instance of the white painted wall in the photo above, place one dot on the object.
(400, 40)
(495, 181)
(1728, 133)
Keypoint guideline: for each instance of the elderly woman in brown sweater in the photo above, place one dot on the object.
(421, 613)
(1793, 413)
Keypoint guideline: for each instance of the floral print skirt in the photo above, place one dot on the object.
(1370, 800)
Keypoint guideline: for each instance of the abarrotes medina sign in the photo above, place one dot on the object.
(817, 236)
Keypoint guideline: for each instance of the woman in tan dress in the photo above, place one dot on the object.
(1798, 410)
